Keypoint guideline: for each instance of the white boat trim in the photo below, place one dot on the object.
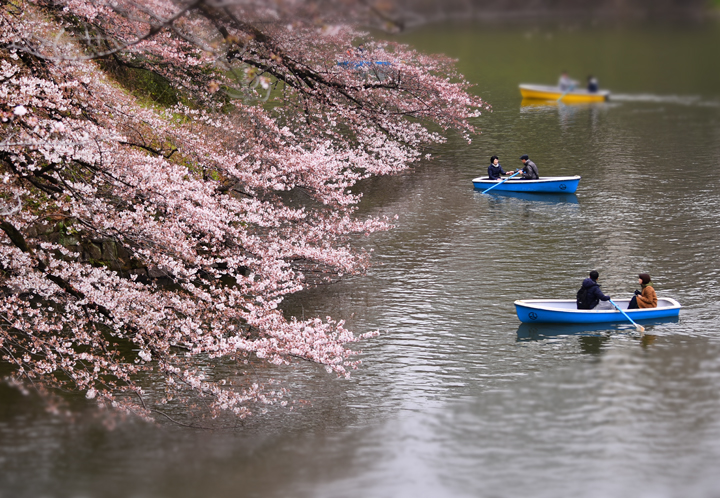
(556, 89)
(570, 305)
(542, 179)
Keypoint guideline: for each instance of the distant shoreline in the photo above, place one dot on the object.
(408, 13)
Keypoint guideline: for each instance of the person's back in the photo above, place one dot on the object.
(593, 294)
(648, 298)
(586, 299)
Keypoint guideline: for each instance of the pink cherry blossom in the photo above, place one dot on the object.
(144, 241)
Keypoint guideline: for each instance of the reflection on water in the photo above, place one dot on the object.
(540, 331)
(689, 100)
(537, 105)
(454, 399)
(607, 426)
(551, 198)
(570, 112)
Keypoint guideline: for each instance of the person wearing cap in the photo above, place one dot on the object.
(647, 298)
(530, 170)
(495, 170)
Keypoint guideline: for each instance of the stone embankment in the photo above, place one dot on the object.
(408, 13)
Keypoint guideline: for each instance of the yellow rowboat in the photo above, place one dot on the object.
(547, 92)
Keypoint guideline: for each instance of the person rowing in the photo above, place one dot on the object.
(565, 83)
(590, 297)
(529, 170)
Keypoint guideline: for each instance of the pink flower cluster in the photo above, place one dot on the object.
(235, 194)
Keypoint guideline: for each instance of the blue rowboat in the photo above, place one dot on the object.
(358, 64)
(553, 184)
(565, 311)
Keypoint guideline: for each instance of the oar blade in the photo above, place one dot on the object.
(637, 325)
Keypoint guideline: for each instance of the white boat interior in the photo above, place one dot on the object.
(571, 305)
(556, 89)
(540, 180)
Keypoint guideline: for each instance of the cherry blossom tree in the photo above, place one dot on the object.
(146, 235)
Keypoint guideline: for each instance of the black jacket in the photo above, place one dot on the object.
(494, 172)
(594, 294)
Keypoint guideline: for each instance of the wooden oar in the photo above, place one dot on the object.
(639, 327)
(506, 179)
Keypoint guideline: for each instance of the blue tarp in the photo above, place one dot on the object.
(357, 64)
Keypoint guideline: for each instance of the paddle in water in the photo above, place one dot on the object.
(499, 183)
(569, 88)
(564, 93)
(639, 327)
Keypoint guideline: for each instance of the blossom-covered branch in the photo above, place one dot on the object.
(143, 233)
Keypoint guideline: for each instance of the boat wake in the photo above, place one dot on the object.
(689, 100)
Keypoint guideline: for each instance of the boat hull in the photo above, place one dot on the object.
(546, 92)
(550, 184)
(359, 64)
(565, 311)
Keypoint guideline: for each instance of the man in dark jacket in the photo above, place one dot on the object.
(593, 294)
(530, 170)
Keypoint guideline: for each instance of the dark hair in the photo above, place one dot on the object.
(594, 275)
(493, 158)
(645, 278)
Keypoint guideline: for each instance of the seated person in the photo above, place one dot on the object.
(645, 299)
(566, 83)
(530, 170)
(592, 85)
(495, 170)
(592, 297)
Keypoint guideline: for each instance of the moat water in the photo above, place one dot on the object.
(456, 398)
